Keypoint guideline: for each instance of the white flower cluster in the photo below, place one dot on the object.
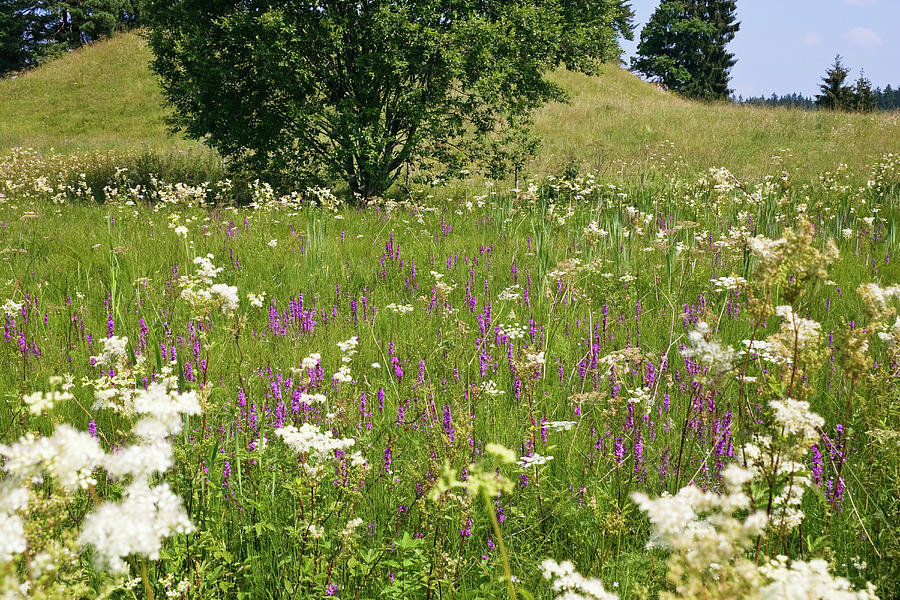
(534, 358)
(762, 349)
(135, 525)
(677, 522)
(709, 353)
(766, 249)
(11, 307)
(312, 398)
(793, 476)
(796, 418)
(144, 517)
(311, 441)
(513, 332)
(311, 361)
(510, 293)
(725, 284)
(69, 456)
(400, 309)
(568, 584)
(115, 349)
(803, 580)
(490, 388)
(533, 460)
(12, 537)
(348, 349)
(350, 528)
(442, 288)
(202, 294)
(256, 300)
(146, 514)
(560, 425)
(38, 402)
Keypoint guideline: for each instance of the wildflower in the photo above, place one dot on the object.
(568, 584)
(69, 456)
(273, 243)
(39, 402)
(12, 537)
(310, 440)
(709, 353)
(796, 418)
(534, 460)
(135, 525)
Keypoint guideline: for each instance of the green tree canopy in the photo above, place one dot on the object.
(313, 91)
(683, 46)
(32, 30)
(836, 95)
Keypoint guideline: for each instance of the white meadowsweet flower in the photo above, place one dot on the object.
(568, 584)
(801, 579)
(38, 402)
(163, 410)
(490, 388)
(350, 528)
(312, 441)
(400, 309)
(313, 398)
(796, 418)
(70, 456)
(114, 349)
(273, 243)
(311, 361)
(709, 353)
(725, 284)
(140, 461)
(137, 524)
(12, 537)
(560, 425)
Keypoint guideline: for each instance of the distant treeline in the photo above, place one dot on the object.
(886, 99)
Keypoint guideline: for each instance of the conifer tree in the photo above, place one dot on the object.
(863, 96)
(683, 46)
(836, 95)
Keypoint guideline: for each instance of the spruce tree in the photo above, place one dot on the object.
(863, 96)
(683, 46)
(836, 95)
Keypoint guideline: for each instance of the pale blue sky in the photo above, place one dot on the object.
(785, 46)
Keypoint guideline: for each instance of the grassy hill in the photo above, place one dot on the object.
(104, 97)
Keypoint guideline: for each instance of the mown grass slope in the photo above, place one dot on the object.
(105, 97)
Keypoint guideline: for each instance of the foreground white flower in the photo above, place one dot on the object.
(571, 585)
(12, 537)
(137, 525)
(69, 456)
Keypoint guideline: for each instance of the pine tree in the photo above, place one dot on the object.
(683, 46)
(835, 94)
(863, 96)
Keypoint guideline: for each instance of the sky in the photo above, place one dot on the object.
(785, 46)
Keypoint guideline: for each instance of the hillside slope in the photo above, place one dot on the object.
(104, 97)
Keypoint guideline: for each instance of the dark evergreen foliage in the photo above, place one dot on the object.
(684, 47)
(836, 94)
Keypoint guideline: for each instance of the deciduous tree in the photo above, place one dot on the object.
(312, 91)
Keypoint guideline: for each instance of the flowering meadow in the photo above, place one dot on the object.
(682, 386)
